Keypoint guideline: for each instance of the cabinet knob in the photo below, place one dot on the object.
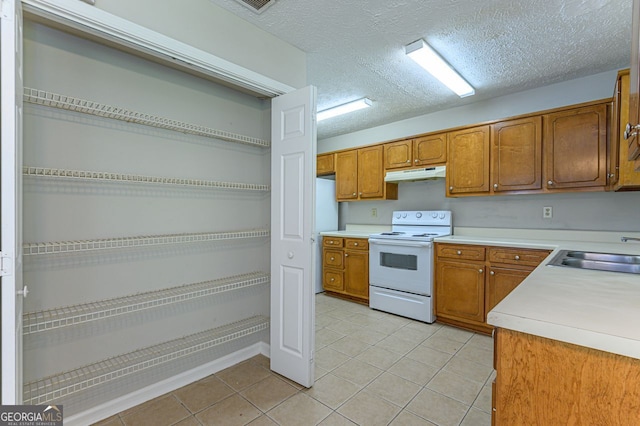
(517, 257)
(480, 270)
(354, 194)
(550, 182)
(458, 252)
(415, 161)
(355, 244)
(408, 161)
(492, 273)
(451, 188)
(333, 279)
(360, 194)
(495, 186)
(346, 255)
(333, 258)
(331, 242)
(631, 131)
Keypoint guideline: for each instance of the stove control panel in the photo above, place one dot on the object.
(422, 217)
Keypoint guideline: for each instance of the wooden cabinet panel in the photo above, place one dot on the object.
(633, 143)
(325, 164)
(546, 382)
(460, 290)
(347, 175)
(398, 154)
(430, 149)
(356, 243)
(516, 154)
(461, 252)
(575, 143)
(332, 242)
(500, 282)
(624, 176)
(517, 256)
(468, 161)
(356, 273)
(333, 258)
(370, 172)
(333, 280)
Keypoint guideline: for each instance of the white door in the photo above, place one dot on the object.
(10, 198)
(293, 170)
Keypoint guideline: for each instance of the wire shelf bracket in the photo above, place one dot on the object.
(60, 385)
(54, 100)
(52, 319)
(30, 249)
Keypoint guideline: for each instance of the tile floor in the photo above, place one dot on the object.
(372, 368)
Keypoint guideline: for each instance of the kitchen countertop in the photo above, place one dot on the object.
(356, 231)
(596, 309)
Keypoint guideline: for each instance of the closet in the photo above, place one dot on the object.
(146, 217)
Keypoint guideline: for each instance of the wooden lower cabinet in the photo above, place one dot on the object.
(345, 268)
(543, 382)
(470, 280)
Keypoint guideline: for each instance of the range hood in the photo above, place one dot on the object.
(437, 172)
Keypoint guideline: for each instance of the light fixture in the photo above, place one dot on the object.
(429, 59)
(344, 108)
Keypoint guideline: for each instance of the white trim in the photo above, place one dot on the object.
(132, 399)
(92, 20)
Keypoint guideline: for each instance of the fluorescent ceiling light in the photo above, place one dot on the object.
(344, 108)
(429, 59)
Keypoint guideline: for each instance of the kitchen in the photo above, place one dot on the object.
(582, 211)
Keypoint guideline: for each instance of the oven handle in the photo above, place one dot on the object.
(404, 243)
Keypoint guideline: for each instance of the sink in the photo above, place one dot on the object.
(597, 261)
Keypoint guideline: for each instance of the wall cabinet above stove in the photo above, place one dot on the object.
(422, 151)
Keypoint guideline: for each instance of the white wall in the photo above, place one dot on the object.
(206, 26)
(574, 211)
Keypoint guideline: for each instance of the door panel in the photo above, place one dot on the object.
(293, 163)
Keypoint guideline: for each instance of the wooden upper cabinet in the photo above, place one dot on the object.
(575, 144)
(516, 154)
(423, 151)
(398, 154)
(430, 149)
(633, 143)
(468, 164)
(360, 175)
(623, 174)
(347, 175)
(325, 164)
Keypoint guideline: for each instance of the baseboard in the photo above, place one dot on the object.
(115, 406)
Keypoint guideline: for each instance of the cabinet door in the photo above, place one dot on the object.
(332, 280)
(431, 149)
(370, 172)
(633, 143)
(460, 290)
(356, 273)
(468, 164)
(516, 154)
(624, 174)
(325, 164)
(332, 258)
(501, 281)
(575, 143)
(347, 175)
(398, 154)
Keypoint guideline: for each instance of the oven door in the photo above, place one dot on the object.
(401, 265)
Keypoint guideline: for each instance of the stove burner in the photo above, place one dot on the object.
(392, 233)
(426, 234)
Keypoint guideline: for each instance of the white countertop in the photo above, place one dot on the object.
(596, 309)
(357, 231)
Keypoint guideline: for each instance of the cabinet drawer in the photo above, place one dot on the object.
(356, 244)
(332, 242)
(466, 252)
(333, 280)
(332, 258)
(515, 256)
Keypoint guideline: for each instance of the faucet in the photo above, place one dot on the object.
(625, 239)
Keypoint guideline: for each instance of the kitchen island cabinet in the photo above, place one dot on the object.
(471, 279)
(542, 381)
(360, 175)
(345, 268)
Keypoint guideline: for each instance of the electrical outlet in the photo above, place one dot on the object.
(547, 212)
(374, 212)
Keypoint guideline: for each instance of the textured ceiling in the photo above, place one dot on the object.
(356, 48)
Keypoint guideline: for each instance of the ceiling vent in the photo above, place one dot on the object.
(257, 6)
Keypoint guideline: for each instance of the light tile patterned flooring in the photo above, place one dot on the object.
(372, 368)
